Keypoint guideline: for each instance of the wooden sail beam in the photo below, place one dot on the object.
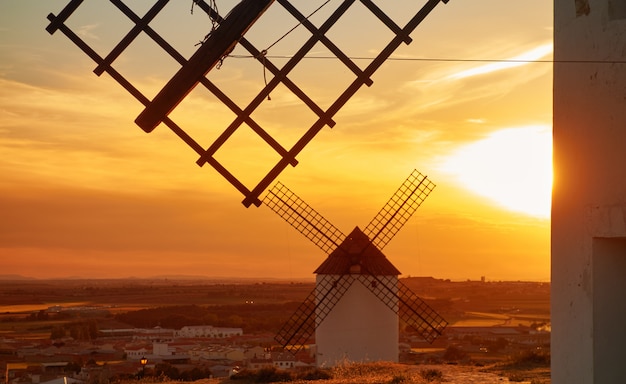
(219, 43)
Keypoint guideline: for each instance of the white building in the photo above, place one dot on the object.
(207, 331)
(256, 352)
(359, 327)
(162, 349)
(136, 352)
(156, 333)
(589, 195)
(217, 352)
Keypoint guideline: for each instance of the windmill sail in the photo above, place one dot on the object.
(419, 315)
(398, 209)
(411, 309)
(300, 327)
(303, 218)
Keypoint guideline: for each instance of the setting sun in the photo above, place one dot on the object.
(511, 166)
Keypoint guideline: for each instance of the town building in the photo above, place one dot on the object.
(207, 331)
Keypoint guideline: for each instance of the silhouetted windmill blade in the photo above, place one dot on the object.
(398, 209)
(419, 315)
(299, 328)
(410, 308)
(297, 331)
(303, 218)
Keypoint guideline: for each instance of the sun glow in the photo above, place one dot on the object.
(513, 167)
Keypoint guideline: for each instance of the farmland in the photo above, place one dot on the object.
(489, 322)
(467, 303)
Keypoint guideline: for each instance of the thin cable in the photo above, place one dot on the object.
(297, 25)
(434, 59)
(263, 53)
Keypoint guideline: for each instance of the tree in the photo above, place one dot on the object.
(195, 374)
(72, 366)
(499, 344)
(166, 370)
(57, 332)
(454, 353)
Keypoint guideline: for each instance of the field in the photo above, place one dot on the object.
(469, 303)
(28, 312)
(145, 293)
(391, 373)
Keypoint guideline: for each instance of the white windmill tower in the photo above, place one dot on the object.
(360, 326)
(358, 302)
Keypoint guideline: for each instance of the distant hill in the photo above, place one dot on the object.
(15, 277)
(171, 278)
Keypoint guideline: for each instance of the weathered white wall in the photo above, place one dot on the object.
(359, 328)
(589, 197)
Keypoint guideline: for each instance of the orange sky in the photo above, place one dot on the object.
(85, 192)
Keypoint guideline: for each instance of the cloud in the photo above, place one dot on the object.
(453, 88)
(86, 31)
(524, 58)
(70, 137)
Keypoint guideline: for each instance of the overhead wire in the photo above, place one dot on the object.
(437, 59)
(297, 25)
(263, 54)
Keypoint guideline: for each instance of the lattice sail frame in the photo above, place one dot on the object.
(300, 327)
(411, 309)
(303, 217)
(206, 152)
(398, 209)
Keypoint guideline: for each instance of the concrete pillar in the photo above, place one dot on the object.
(589, 196)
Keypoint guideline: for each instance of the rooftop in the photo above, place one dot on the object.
(357, 255)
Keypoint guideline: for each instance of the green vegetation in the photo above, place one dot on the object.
(454, 354)
(431, 375)
(273, 375)
(78, 330)
(380, 373)
(530, 365)
(529, 358)
(167, 371)
(263, 375)
(258, 317)
(315, 374)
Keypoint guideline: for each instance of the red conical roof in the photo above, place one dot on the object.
(357, 255)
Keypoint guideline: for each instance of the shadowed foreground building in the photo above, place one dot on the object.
(589, 196)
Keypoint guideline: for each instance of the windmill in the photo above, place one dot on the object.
(358, 300)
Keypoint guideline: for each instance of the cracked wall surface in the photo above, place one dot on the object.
(589, 193)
